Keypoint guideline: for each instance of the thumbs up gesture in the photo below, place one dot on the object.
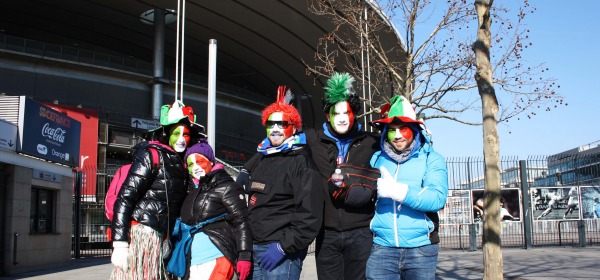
(388, 187)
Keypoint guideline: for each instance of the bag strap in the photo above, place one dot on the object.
(155, 158)
(208, 221)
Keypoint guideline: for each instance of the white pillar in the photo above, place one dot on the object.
(212, 92)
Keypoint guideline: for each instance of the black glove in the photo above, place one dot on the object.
(244, 179)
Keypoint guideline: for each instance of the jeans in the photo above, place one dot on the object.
(342, 255)
(288, 269)
(388, 263)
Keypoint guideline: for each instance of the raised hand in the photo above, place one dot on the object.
(388, 187)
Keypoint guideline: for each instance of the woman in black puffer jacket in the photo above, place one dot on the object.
(225, 241)
(150, 198)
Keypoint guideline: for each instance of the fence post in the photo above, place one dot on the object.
(77, 212)
(473, 237)
(527, 211)
(581, 230)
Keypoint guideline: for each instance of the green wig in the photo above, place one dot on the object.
(339, 88)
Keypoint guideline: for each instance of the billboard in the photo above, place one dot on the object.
(590, 202)
(88, 145)
(555, 203)
(457, 209)
(47, 134)
(510, 206)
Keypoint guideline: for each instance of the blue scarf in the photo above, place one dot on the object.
(293, 143)
(342, 144)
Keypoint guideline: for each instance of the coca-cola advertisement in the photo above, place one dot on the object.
(88, 149)
(48, 134)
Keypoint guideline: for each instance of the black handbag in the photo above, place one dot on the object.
(359, 187)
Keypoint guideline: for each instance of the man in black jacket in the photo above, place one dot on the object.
(345, 240)
(285, 207)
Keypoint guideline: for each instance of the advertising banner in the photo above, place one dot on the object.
(457, 209)
(510, 206)
(590, 202)
(555, 203)
(48, 134)
(88, 145)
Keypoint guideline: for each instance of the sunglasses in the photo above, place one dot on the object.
(282, 124)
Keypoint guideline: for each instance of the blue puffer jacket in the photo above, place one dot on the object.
(406, 225)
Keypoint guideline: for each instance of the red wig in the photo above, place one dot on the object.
(281, 105)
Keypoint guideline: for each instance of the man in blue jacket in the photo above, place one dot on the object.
(414, 181)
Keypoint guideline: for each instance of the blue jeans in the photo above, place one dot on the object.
(388, 263)
(343, 254)
(288, 269)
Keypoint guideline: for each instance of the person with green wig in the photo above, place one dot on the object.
(344, 242)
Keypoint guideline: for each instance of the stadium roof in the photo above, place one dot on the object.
(261, 44)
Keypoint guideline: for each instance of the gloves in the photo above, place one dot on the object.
(120, 254)
(388, 187)
(243, 269)
(272, 256)
(244, 179)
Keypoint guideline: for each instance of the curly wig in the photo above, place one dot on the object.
(281, 105)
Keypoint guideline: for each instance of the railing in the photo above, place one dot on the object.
(459, 230)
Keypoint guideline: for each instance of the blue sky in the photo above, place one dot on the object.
(566, 37)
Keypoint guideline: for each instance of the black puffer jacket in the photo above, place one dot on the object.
(143, 196)
(219, 194)
(324, 153)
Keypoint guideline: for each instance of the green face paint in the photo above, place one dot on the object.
(391, 134)
(179, 138)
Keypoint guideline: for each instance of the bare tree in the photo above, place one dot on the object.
(492, 251)
(434, 70)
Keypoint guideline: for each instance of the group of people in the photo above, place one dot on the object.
(261, 225)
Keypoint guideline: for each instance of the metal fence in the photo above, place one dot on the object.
(460, 228)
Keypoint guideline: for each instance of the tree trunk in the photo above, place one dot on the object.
(492, 251)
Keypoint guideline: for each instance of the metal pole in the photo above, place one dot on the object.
(581, 231)
(212, 91)
(473, 237)
(527, 211)
(77, 211)
(159, 50)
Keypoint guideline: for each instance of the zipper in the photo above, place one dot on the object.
(396, 207)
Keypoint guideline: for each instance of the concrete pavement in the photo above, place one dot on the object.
(548, 263)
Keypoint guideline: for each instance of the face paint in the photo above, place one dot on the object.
(179, 138)
(279, 128)
(198, 165)
(400, 132)
(341, 117)
(400, 136)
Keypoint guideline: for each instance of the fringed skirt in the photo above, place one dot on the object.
(145, 257)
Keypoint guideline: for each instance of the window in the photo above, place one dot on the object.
(41, 218)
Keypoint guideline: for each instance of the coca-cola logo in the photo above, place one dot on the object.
(55, 134)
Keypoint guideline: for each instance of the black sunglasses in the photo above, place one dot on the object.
(282, 124)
